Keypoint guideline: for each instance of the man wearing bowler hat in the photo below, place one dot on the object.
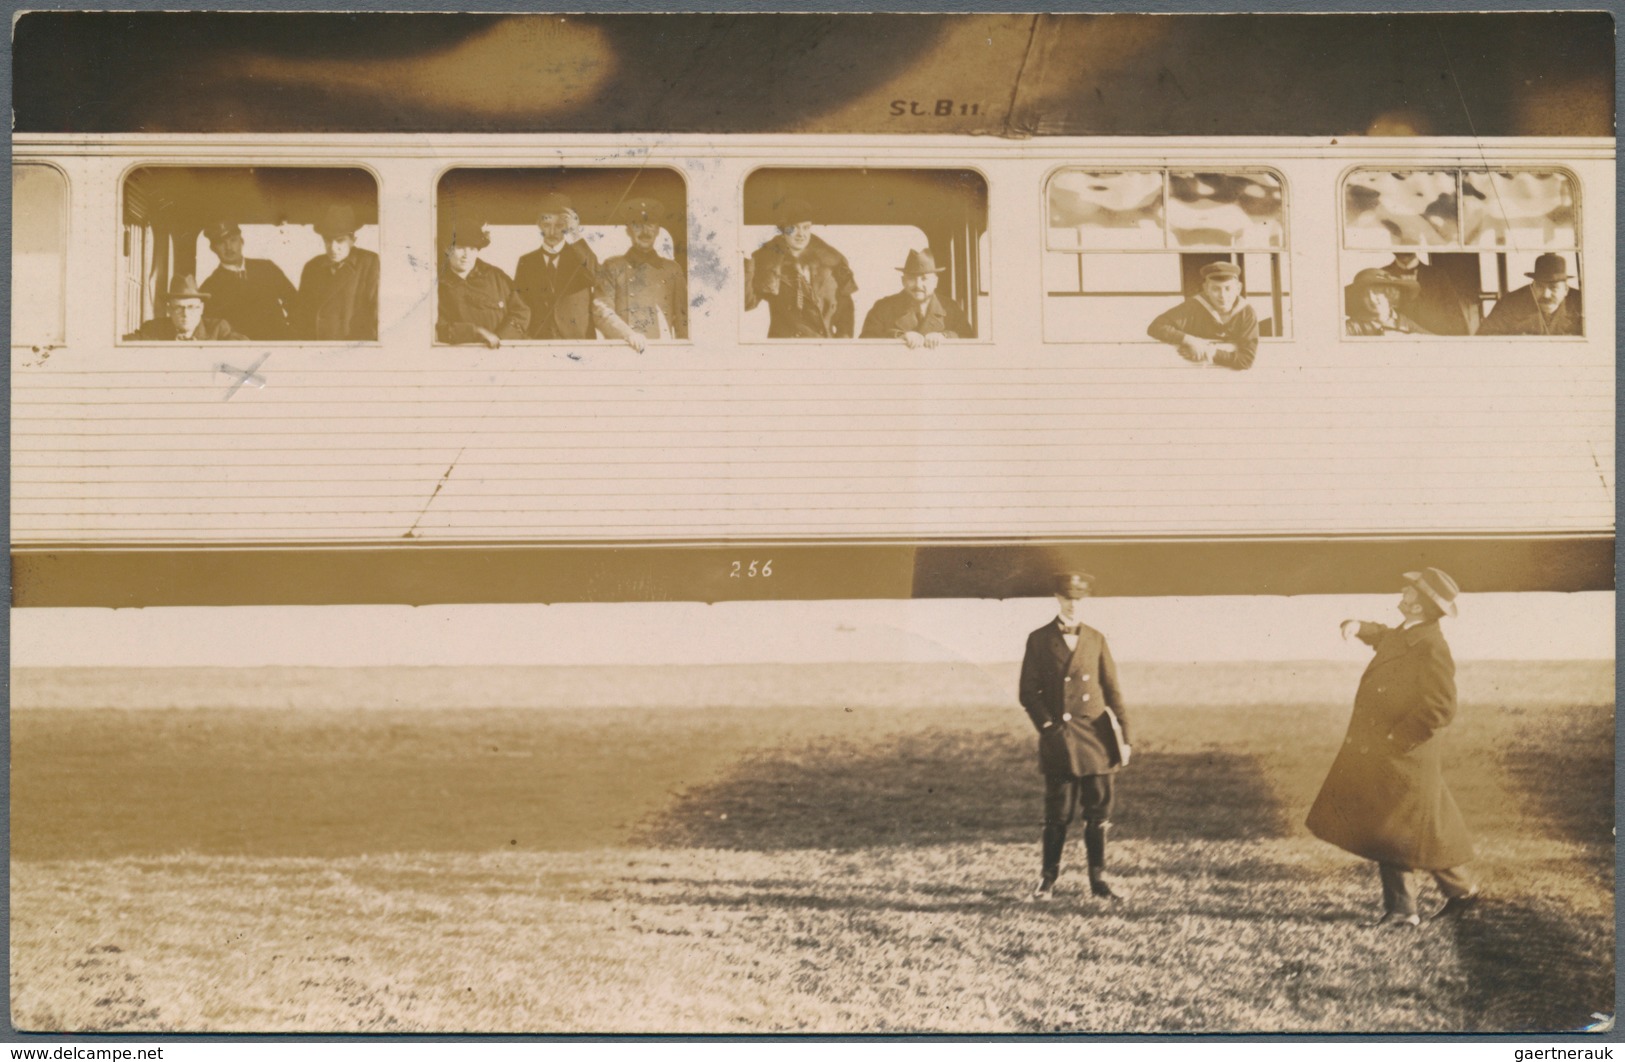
(559, 281)
(917, 315)
(338, 289)
(1070, 692)
(1546, 306)
(254, 294)
(477, 300)
(183, 320)
(806, 283)
(1215, 326)
(648, 292)
(1385, 798)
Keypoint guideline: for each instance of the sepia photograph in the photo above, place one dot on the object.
(834, 525)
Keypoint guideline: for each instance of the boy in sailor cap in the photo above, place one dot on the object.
(1215, 326)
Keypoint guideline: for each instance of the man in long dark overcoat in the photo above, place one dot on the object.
(1385, 798)
(1070, 692)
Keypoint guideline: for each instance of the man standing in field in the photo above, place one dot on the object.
(1070, 692)
(1385, 798)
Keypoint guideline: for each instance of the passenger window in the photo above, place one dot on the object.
(895, 255)
(1432, 252)
(1131, 252)
(39, 248)
(264, 253)
(558, 253)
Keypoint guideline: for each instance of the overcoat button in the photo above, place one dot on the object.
(1066, 717)
(1086, 678)
(1086, 696)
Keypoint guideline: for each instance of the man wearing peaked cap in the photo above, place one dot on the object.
(254, 294)
(1070, 691)
(338, 289)
(1385, 798)
(477, 300)
(917, 315)
(1546, 306)
(647, 291)
(806, 283)
(1215, 326)
(560, 283)
(183, 320)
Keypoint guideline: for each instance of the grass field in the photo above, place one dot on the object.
(811, 849)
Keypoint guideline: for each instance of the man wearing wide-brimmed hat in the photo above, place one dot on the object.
(806, 283)
(1069, 690)
(917, 315)
(183, 320)
(477, 300)
(1215, 326)
(1546, 306)
(1385, 798)
(338, 289)
(1371, 303)
(254, 294)
(647, 291)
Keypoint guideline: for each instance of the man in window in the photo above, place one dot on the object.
(1372, 301)
(1215, 326)
(1546, 306)
(806, 283)
(559, 281)
(1439, 303)
(477, 300)
(254, 294)
(648, 292)
(183, 320)
(338, 290)
(917, 315)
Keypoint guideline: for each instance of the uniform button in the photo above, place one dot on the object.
(1069, 678)
(1086, 696)
(1086, 678)
(1066, 717)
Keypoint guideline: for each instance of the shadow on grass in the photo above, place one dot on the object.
(941, 787)
(1562, 764)
(1530, 970)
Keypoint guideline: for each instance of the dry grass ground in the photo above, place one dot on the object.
(817, 849)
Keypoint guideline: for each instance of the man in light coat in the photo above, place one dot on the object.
(1070, 692)
(1385, 798)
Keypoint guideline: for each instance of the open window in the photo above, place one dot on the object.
(272, 253)
(39, 249)
(865, 230)
(1122, 246)
(566, 242)
(1461, 252)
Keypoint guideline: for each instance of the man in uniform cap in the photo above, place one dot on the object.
(1371, 302)
(1070, 692)
(477, 300)
(648, 292)
(806, 283)
(1215, 326)
(559, 281)
(254, 294)
(1546, 306)
(338, 290)
(1385, 798)
(183, 320)
(917, 315)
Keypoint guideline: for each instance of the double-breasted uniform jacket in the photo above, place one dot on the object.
(814, 300)
(1385, 797)
(483, 299)
(256, 299)
(1071, 689)
(898, 313)
(209, 330)
(646, 289)
(563, 299)
(338, 301)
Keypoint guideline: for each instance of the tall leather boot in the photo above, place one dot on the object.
(1094, 842)
(1054, 841)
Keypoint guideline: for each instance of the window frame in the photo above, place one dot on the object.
(66, 220)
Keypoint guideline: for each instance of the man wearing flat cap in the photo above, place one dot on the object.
(1215, 326)
(183, 320)
(917, 315)
(806, 283)
(1070, 692)
(477, 300)
(1546, 306)
(1385, 798)
(1371, 303)
(254, 294)
(648, 292)
(559, 281)
(338, 289)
